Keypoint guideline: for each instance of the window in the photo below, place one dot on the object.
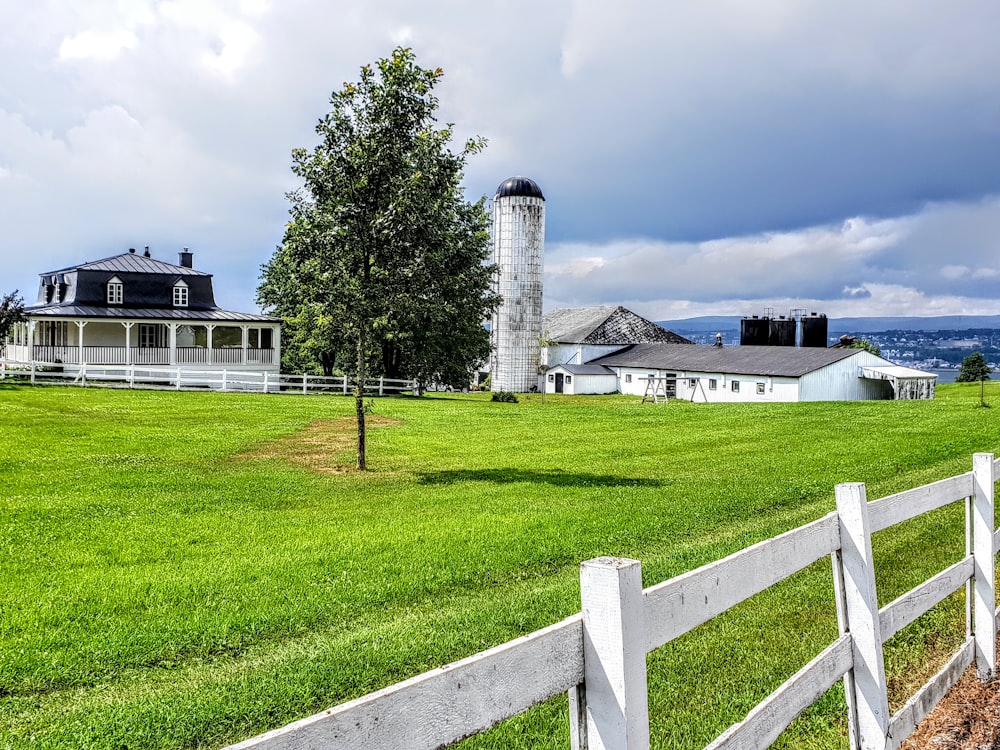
(180, 294)
(760, 389)
(692, 382)
(735, 385)
(569, 378)
(628, 377)
(152, 335)
(712, 384)
(116, 291)
(552, 378)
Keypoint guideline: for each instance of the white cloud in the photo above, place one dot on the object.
(237, 40)
(95, 45)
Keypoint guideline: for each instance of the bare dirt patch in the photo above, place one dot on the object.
(967, 718)
(325, 445)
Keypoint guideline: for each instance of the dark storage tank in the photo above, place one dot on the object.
(781, 331)
(753, 331)
(813, 330)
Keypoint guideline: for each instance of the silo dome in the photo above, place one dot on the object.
(519, 186)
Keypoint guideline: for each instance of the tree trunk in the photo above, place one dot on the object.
(359, 402)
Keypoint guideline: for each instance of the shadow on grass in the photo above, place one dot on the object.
(554, 477)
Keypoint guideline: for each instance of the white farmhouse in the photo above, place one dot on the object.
(132, 309)
(704, 374)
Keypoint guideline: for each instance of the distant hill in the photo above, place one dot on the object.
(714, 323)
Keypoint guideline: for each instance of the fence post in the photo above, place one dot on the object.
(614, 655)
(381, 386)
(837, 558)
(983, 529)
(224, 381)
(305, 383)
(32, 372)
(266, 389)
(345, 383)
(871, 700)
(178, 378)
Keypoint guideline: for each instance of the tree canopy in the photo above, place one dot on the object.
(867, 345)
(11, 312)
(974, 368)
(382, 269)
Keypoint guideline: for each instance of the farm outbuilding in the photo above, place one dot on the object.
(580, 379)
(709, 374)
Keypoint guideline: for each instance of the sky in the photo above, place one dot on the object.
(718, 157)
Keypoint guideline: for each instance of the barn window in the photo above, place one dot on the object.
(692, 382)
(760, 389)
(569, 378)
(552, 378)
(628, 377)
(735, 385)
(116, 291)
(712, 384)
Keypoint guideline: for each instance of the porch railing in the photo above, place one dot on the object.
(158, 355)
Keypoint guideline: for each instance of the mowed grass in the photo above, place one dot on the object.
(190, 569)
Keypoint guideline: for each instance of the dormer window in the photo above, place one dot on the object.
(116, 291)
(180, 294)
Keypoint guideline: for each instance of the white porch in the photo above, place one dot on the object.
(128, 342)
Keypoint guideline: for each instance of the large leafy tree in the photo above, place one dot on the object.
(11, 312)
(382, 269)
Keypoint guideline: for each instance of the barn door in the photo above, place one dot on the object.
(559, 382)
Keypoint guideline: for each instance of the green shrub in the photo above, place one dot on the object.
(505, 397)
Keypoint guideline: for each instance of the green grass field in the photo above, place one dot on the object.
(190, 569)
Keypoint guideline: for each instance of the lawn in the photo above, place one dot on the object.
(190, 569)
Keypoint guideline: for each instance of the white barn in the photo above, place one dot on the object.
(713, 374)
(580, 379)
(577, 335)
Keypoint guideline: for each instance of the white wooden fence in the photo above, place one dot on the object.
(599, 655)
(185, 378)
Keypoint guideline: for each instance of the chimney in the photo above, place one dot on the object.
(187, 258)
(145, 253)
(132, 250)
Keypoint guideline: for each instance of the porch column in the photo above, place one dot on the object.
(276, 345)
(172, 342)
(32, 325)
(245, 342)
(80, 325)
(128, 342)
(208, 341)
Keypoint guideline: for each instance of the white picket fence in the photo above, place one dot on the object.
(186, 378)
(598, 656)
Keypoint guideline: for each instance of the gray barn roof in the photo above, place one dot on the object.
(584, 369)
(126, 313)
(781, 361)
(603, 325)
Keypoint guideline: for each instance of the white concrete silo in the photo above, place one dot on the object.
(518, 245)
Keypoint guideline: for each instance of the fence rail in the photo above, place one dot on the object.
(598, 656)
(186, 378)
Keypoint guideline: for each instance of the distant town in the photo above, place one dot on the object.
(936, 344)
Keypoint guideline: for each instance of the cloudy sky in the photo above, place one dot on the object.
(698, 158)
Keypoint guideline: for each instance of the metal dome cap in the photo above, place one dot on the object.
(521, 187)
